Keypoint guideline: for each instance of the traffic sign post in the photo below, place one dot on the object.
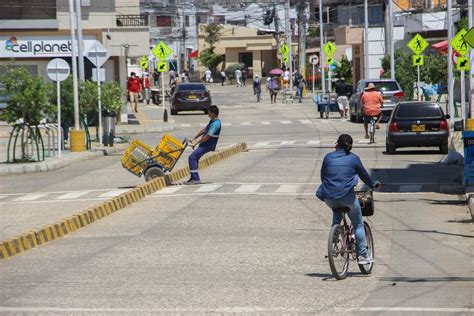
(58, 70)
(461, 44)
(162, 51)
(330, 49)
(314, 60)
(285, 53)
(98, 55)
(418, 60)
(418, 45)
(144, 62)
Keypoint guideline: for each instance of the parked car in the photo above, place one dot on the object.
(391, 93)
(417, 124)
(190, 97)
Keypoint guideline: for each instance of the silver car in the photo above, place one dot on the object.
(389, 89)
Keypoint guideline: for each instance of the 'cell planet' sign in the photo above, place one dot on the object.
(39, 46)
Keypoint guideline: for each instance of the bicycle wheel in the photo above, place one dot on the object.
(367, 268)
(337, 254)
(372, 132)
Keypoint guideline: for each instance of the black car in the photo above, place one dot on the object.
(190, 97)
(417, 124)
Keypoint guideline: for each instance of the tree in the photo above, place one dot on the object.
(435, 70)
(230, 70)
(344, 69)
(208, 58)
(27, 97)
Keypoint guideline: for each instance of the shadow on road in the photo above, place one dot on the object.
(423, 280)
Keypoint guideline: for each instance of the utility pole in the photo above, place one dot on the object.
(184, 42)
(321, 46)
(276, 20)
(366, 40)
(470, 13)
(288, 39)
(449, 9)
(392, 40)
(80, 46)
(302, 38)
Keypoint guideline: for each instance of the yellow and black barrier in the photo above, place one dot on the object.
(88, 216)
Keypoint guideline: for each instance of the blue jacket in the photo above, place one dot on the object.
(339, 175)
(213, 129)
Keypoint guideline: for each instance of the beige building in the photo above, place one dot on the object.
(32, 34)
(243, 45)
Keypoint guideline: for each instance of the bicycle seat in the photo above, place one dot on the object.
(343, 209)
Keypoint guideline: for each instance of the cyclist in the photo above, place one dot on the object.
(340, 173)
(372, 102)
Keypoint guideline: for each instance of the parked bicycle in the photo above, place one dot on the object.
(342, 242)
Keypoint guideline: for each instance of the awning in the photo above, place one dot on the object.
(194, 54)
(442, 46)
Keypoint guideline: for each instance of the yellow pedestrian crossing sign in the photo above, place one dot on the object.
(144, 62)
(417, 44)
(284, 50)
(330, 48)
(463, 63)
(161, 50)
(162, 66)
(469, 37)
(285, 59)
(329, 60)
(459, 44)
(418, 60)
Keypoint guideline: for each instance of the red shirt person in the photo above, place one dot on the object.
(134, 87)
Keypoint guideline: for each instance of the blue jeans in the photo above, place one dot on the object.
(355, 214)
(194, 161)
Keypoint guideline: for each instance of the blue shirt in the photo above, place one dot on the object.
(339, 175)
(213, 130)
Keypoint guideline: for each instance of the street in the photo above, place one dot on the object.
(252, 238)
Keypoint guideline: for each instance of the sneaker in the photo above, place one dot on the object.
(192, 181)
(365, 260)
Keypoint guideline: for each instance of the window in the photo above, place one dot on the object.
(384, 85)
(190, 87)
(186, 20)
(28, 10)
(419, 111)
(163, 21)
(246, 59)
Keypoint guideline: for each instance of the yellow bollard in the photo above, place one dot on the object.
(469, 125)
(77, 140)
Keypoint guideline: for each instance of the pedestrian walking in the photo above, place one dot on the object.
(238, 77)
(172, 75)
(146, 87)
(134, 87)
(222, 77)
(244, 77)
(298, 83)
(273, 88)
(206, 140)
(156, 77)
(344, 92)
(286, 79)
(208, 75)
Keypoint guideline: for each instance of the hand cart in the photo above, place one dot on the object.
(326, 103)
(140, 159)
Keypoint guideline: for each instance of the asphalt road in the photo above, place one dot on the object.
(252, 238)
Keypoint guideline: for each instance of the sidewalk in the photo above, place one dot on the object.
(149, 119)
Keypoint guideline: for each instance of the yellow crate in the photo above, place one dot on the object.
(134, 155)
(168, 151)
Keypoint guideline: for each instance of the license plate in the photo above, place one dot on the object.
(192, 97)
(418, 128)
(386, 98)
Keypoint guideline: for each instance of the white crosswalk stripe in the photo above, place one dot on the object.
(248, 188)
(113, 193)
(226, 124)
(71, 195)
(287, 142)
(185, 125)
(262, 144)
(306, 121)
(245, 123)
(3, 196)
(287, 188)
(169, 190)
(206, 188)
(265, 123)
(31, 197)
(314, 142)
(286, 122)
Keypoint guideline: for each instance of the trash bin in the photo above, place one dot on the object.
(108, 121)
(468, 139)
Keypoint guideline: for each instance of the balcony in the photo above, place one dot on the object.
(132, 20)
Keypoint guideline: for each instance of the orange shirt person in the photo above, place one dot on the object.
(372, 102)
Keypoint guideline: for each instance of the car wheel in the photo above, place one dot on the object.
(444, 149)
(390, 148)
(174, 112)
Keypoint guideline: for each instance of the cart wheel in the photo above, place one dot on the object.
(153, 172)
(321, 114)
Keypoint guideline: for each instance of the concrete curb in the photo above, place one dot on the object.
(88, 216)
(46, 166)
(130, 129)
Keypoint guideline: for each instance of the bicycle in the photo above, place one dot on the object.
(342, 244)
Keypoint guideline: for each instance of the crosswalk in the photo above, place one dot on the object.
(262, 123)
(217, 188)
